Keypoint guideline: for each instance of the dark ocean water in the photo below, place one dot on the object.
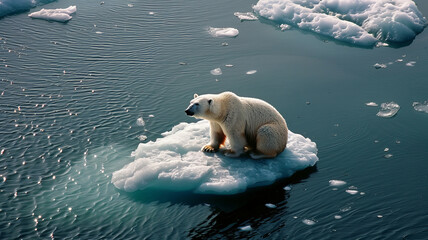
(71, 95)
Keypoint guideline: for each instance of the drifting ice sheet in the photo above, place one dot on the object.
(247, 16)
(175, 162)
(360, 22)
(388, 110)
(223, 32)
(421, 107)
(59, 15)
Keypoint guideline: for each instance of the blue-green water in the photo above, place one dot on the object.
(71, 95)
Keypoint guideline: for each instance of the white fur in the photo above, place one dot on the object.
(248, 123)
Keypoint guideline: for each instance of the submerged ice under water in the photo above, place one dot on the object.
(360, 22)
(174, 164)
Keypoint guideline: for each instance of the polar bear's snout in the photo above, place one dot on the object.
(190, 111)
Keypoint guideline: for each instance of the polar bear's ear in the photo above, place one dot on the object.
(210, 101)
(195, 95)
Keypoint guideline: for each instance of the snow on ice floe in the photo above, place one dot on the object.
(59, 14)
(388, 110)
(175, 162)
(223, 32)
(359, 22)
(247, 16)
(421, 107)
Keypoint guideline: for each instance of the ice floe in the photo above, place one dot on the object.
(141, 122)
(246, 228)
(379, 65)
(251, 72)
(388, 110)
(308, 222)
(372, 104)
(359, 22)
(411, 64)
(223, 32)
(14, 6)
(246, 16)
(175, 162)
(270, 205)
(59, 14)
(216, 71)
(336, 183)
(421, 107)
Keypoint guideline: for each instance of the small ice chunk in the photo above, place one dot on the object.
(216, 71)
(379, 216)
(247, 16)
(151, 116)
(337, 183)
(59, 15)
(287, 188)
(351, 191)
(251, 72)
(399, 60)
(151, 13)
(379, 65)
(308, 222)
(386, 149)
(140, 121)
(337, 217)
(130, 5)
(284, 27)
(389, 155)
(421, 107)
(246, 228)
(224, 44)
(372, 104)
(228, 65)
(142, 137)
(388, 110)
(270, 205)
(411, 64)
(99, 32)
(223, 32)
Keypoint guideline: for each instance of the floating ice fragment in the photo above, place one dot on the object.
(59, 15)
(363, 22)
(140, 121)
(285, 27)
(247, 16)
(411, 64)
(421, 107)
(216, 71)
(337, 183)
(99, 32)
(251, 72)
(151, 116)
(151, 13)
(246, 228)
(175, 162)
(379, 65)
(228, 65)
(372, 104)
(308, 222)
(182, 63)
(389, 155)
(337, 217)
(224, 44)
(130, 5)
(399, 60)
(287, 188)
(270, 205)
(142, 137)
(223, 32)
(388, 110)
(351, 191)
(386, 149)
(379, 216)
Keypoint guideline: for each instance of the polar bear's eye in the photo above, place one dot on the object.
(209, 101)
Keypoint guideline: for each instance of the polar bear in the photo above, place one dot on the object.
(251, 125)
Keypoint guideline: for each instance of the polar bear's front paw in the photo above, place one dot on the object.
(208, 148)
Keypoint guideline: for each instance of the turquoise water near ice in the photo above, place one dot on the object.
(71, 95)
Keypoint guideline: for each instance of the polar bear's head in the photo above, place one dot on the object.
(203, 106)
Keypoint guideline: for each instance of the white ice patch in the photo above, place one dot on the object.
(388, 110)
(336, 183)
(372, 104)
(175, 162)
(251, 72)
(13, 6)
(421, 107)
(308, 222)
(360, 22)
(59, 15)
(140, 122)
(216, 72)
(247, 16)
(223, 32)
